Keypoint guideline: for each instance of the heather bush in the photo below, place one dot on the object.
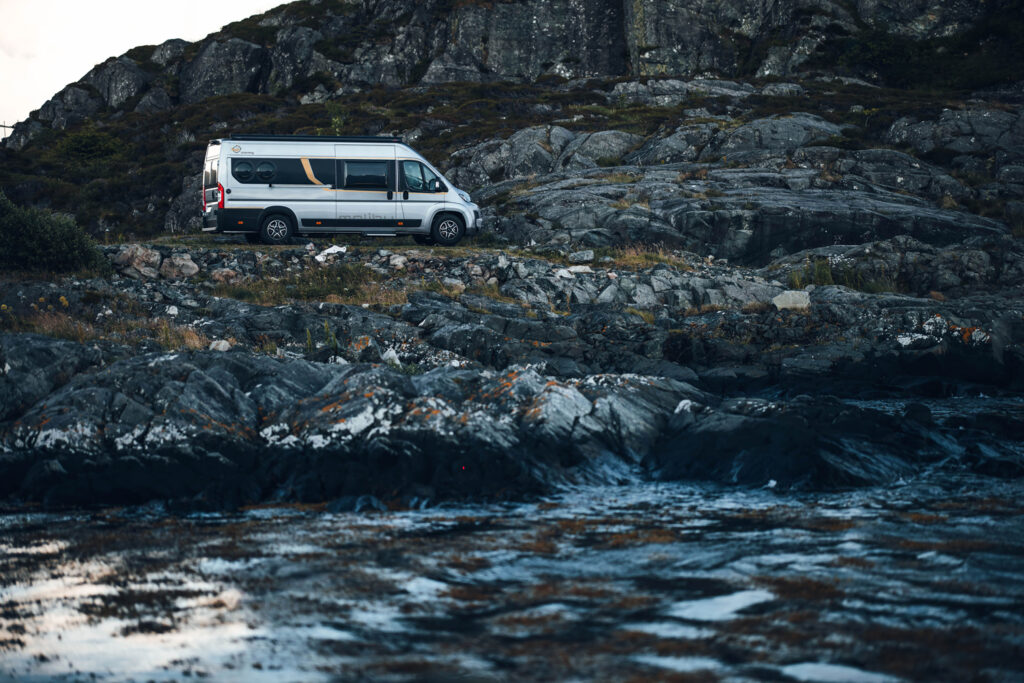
(35, 239)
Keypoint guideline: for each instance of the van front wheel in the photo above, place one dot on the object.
(276, 229)
(448, 229)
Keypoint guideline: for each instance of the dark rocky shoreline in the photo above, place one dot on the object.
(502, 375)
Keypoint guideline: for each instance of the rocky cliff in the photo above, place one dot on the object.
(120, 147)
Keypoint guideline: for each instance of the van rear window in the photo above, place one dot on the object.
(366, 175)
(210, 173)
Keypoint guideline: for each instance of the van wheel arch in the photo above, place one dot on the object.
(286, 212)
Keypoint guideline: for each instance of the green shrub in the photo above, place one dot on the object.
(35, 239)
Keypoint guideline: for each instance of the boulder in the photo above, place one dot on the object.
(178, 266)
(136, 261)
(792, 300)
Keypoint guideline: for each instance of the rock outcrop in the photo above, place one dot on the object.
(503, 374)
(387, 43)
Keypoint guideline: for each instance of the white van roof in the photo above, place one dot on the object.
(362, 139)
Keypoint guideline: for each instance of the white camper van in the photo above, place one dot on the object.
(272, 187)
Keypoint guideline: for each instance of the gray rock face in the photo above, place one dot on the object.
(182, 215)
(223, 68)
(294, 57)
(168, 51)
(439, 43)
(970, 131)
(117, 80)
(71, 105)
(789, 197)
(156, 99)
(775, 135)
(524, 40)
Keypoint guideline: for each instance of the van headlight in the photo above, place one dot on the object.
(464, 196)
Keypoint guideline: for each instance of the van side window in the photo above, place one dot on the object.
(428, 176)
(366, 175)
(417, 177)
(242, 170)
(265, 171)
(413, 175)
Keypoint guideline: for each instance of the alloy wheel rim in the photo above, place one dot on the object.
(277, 229)
(448, 229)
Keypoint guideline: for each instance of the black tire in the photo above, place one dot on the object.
(276, 229)
(252, 237)
(424, 240)
(448, 229)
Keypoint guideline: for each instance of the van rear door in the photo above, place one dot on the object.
(210, 176)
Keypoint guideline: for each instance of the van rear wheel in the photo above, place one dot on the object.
(276, 229)
(448, 229)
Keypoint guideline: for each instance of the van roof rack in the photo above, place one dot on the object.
(314, 138)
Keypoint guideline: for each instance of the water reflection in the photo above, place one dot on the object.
(921, 581)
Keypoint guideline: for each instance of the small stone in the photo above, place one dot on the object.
(585, 256)
(220, 345)
(564, 274)
(224, 275)
(452, 283)
(792, 300)
(580, 269)
(172, 311)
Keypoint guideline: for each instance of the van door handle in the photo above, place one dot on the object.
(391, 194)
(405, 195)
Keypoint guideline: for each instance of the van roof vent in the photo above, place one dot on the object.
(314, 138)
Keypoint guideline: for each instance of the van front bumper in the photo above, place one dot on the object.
(476, 225)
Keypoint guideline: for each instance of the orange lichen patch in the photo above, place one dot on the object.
(859, 562)
(923, 518)
(638, 537)
(572, 526)
(368, 394)
(811, 590)
(538, 546)
(633, 602)
(470, 593)
(468, 564)
(559, 590)
(360, 343)
(827, 524)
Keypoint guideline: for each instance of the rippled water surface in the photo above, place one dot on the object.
(922, 581)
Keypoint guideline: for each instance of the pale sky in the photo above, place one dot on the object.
(46, 44)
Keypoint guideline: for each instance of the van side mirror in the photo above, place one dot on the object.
(435, 185)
